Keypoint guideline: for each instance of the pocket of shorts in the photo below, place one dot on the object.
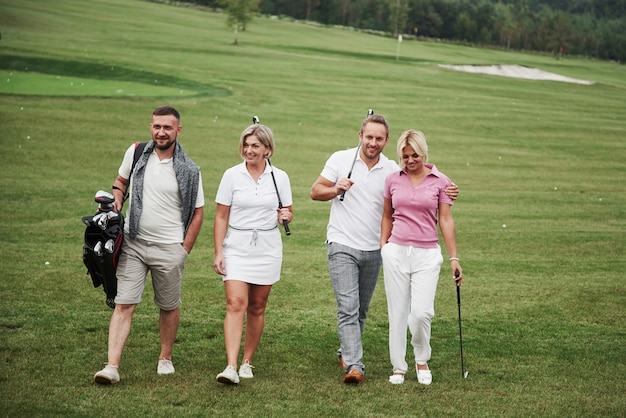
(182, 249)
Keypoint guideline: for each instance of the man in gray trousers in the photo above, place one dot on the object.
(353, 233)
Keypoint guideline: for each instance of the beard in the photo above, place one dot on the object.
(166, 146)
(371, 153)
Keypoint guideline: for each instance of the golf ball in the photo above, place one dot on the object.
(503, 225)
(47, 263)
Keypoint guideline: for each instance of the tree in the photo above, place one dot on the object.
(465, 27)
(505, 25)
(398, 15)
(240, 13)
(587, 37)
(563, 33)
(346, 9)
(310, 6)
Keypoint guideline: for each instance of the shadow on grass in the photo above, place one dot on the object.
(105, 72)
(354, 54)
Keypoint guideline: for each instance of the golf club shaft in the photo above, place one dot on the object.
(458, 302)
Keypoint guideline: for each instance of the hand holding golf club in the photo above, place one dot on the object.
(344, 185)
(458, 273)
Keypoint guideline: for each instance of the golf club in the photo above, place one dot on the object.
(105, 201)
(255, 119)
(358, 148)
(458, 302)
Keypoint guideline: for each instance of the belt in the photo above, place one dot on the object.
(255, 232)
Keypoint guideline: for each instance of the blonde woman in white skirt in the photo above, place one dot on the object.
(248, 244)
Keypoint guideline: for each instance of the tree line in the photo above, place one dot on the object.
(589, 28)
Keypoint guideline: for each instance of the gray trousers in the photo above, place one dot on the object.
(354, 274)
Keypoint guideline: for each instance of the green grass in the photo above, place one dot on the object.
(543, 300)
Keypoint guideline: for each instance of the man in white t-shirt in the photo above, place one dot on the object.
(163, 220)
(353, 233)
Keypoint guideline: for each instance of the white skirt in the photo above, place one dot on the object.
(253, 256)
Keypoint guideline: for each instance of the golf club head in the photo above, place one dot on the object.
(370, 112)
(255, 119)
(104, 197)
(105, 201)
(465, 375)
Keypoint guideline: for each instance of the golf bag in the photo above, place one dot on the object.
(104, 236)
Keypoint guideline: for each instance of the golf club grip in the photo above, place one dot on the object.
(358, 148)
(343, 194)
(285, 223)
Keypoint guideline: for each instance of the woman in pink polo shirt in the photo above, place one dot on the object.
(415, 202)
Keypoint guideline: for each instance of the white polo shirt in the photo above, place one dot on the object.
(161, 217)
(355, 222)
(253, 204)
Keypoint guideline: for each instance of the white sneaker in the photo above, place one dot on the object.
(396, 379)
(245, 370)
(425, 377)
(107, 376)
(229, 376)
(165, 367)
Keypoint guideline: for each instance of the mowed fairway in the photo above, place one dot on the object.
(541, 219)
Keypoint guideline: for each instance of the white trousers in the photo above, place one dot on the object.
(411, 276)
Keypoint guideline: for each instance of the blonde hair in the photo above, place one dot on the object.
(263, 134)
(414, 139)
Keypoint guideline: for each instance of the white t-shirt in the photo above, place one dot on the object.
(253, 204)
(161, 216)
(355, 222)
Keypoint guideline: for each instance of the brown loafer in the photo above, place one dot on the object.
(353, 376)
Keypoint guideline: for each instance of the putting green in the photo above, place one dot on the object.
(51, 77)
(30, 83)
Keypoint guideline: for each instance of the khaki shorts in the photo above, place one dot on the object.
(166, 264)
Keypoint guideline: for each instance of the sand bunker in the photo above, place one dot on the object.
(515, 71)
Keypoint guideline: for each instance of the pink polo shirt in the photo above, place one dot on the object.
(415, 208)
